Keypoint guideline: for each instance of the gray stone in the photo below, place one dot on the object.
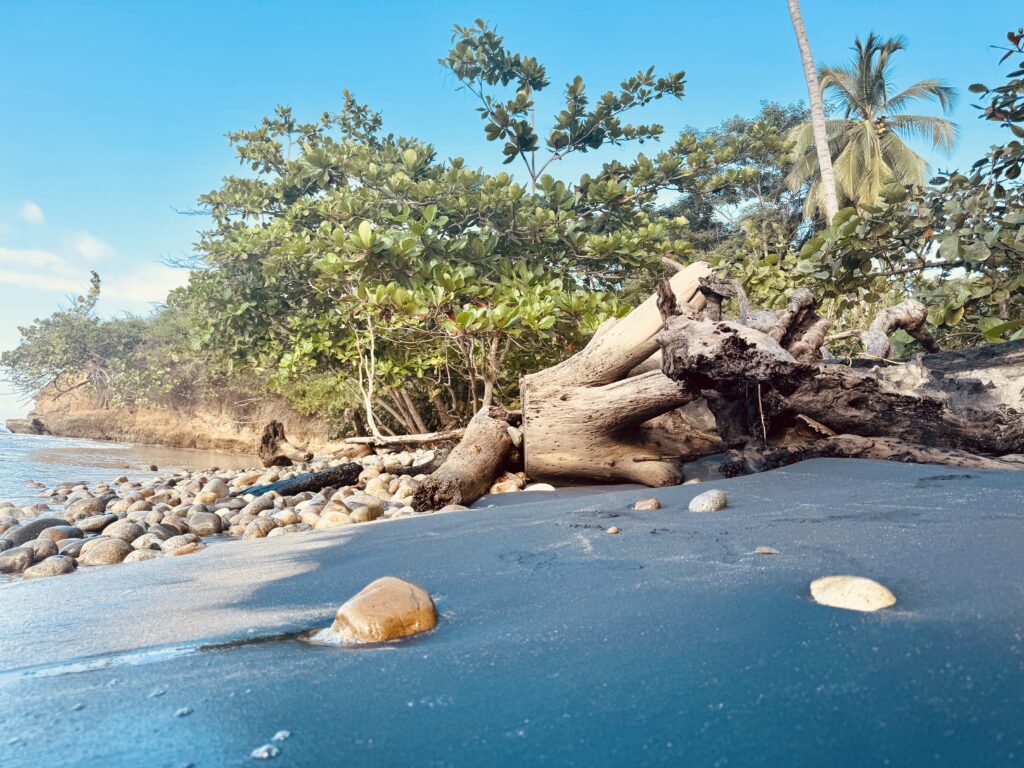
(58, 565)
(126, 530)
(178, 541)
(31, 530)
(15, 560)
(71, 547)
(42, 549)
(205, 523)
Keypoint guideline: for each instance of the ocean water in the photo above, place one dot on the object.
(51, 460)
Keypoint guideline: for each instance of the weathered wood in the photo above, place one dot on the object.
(956, 401)
(472, 465)
(450, 436)
(274, 449)
(585, 417)
(335, 477)
(753, 459)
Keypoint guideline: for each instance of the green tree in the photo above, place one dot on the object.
(868, 143)
(420, 288)
(957, 244)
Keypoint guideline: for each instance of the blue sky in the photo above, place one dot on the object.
(114, 113)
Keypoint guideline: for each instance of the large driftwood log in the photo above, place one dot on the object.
(969, 401)
(584, 419)
(624, 410)
(274, 449)
(489, 441)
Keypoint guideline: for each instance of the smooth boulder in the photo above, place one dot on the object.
(58, 565)
(709, 501)
(107, 552)
(31, 530)
(387, 609)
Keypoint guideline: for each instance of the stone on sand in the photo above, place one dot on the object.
(386, 609)
(709, 501)
(57, 565)
(854, 593)
(108, 552)
(651, 503)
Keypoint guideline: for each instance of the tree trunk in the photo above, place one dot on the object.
(335, 477)
(468, 471)
(584, 418)
(828, 179)
(274, 449)
(969, 401)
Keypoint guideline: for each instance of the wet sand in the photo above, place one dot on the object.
(671, 643)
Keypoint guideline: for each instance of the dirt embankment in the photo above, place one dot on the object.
(225, 425)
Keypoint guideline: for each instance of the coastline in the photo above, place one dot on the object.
(670, 643)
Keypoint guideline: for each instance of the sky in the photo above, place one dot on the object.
(115, 113)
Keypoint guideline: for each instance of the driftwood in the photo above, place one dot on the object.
(275, 450)
(585, 417)
(489, 442)
(335, 477)
(942, 405)
(673, 380)
(447, 437)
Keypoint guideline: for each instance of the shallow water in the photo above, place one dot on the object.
(51, 460)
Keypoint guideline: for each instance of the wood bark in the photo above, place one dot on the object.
(274, 449)
(335, 477)
(472, 465)
(585, 417)
(969, 401)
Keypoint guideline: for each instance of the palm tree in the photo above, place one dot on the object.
(868, 143)
(818, 128)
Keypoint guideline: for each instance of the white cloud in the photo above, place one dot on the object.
(90, 247)
(31, 213)
(34, 258)
(149, 283)
(44, 282)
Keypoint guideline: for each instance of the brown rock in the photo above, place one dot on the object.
(142, 554)
(126, 530)
(386, 609)
(57, 565)
(647, 504)
(108, 552)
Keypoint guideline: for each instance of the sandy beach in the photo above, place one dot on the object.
(671, 643)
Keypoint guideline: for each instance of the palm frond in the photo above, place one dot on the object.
(942, 133)
(907, 167)
(929, 90)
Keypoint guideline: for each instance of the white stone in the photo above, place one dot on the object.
(854, 593)
(709, 501)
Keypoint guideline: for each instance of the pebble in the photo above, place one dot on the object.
(126, 530)
(709, 501)
(539, 487)
(15, 560)
(386, 609)
(854, 593)
(59, 533)
(31, 530)
(332, 519)
(766, 551)
(183, 712)
(647, 504)
(108, 552)
(95, 523)
(58, 565)
(614, 529)
(205, 523)
(265, 752)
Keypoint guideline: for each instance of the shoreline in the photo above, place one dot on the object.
(670, 643)
(178, 512)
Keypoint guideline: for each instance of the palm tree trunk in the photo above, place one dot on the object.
(828, 179)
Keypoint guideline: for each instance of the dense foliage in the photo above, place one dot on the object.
(365, 278)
